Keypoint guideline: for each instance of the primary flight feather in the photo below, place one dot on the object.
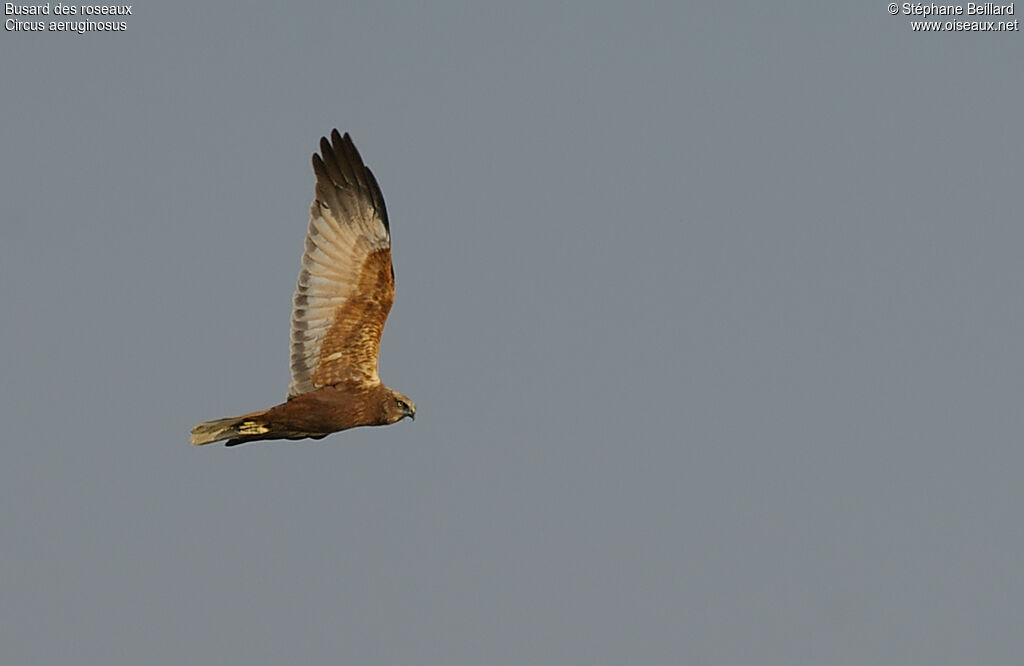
(345, 290)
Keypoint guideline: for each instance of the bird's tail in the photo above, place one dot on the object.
(235, 427)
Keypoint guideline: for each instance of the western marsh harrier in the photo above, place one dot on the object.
(344, 293)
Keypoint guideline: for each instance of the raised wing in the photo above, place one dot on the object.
(346, 285)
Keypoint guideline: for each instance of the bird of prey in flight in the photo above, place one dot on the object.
(344, 293)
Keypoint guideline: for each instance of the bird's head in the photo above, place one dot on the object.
(397, 407)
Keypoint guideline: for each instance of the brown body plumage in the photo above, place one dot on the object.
(344, 293)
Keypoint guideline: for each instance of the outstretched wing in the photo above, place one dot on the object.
(346, 285)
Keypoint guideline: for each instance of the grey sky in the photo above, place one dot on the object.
(712, 316)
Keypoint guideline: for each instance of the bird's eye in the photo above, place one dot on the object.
(402, 405)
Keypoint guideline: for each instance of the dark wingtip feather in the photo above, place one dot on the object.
(340, 164)
(319, 168)
(378, 199)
